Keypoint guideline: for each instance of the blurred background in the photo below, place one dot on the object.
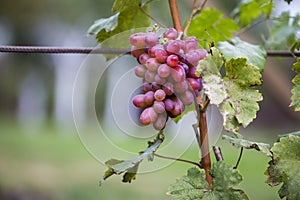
(41, 155)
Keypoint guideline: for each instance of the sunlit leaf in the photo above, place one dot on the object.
(107, 24)
(121, 5)
(237, 48)
(130, 167)
(250, 10)
(296, 88)
(210, 24)
(285, 167)
(262, 147)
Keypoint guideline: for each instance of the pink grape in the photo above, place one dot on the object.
(171, 34)
(178, 73)
(164, 70)
(168, 88)
(155, 86)
(138, 101)
(149, 76)
(136, 52)
(191, 43)
(152, 64)
(180, 87)
(159, 95)
(152, 50)
(172, 60)
(148, 116)
(146, 87)
(161, 55)
(202, 53)
(178, 107)
(159, 80)
(159, 106)
(160, 122)
(169, 104)
(187, 97)
(192, 73)
(138, 39)
(172, 46)
(143, 58)
(140, 71)
(194, 84)
(151, 39)
(149, 98)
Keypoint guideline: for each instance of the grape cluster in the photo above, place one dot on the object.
(167, 65)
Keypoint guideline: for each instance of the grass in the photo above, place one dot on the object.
(57, 165)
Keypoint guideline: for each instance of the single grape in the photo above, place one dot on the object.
(148, 116)
(155, 86)
(151, 50)
(146, 87)
(149, 76)
(149, 98)
(143, 58)
(152, 64)
(192, 73)
(140, 71)
(187, 97)
(159, 95)
(171, 34)
(172, 46)
(178, 73)
(164, 70)
(168, 88)
(172, 60)
(159, 106)
(169, 104)
(194, 84)
(136, 51)
(161, 55)
(138, 39)
(160, 122)
(178, 107)
(159, 80)
(138, 101)
(185, 67)
(180, 87)
(191, 43)
(151, 39)
(202, 53)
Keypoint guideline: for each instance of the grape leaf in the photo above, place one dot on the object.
(121, 5)
(237, 48)
(193, 186)
(210, 23)
(297, 133)
(250, 10)
(130, 167)
(296, 88)
(108, 24)
(285, 167)
(287, 26)
(237, 142)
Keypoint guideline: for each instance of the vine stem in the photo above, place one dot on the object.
(175, 15)
(204, 146)
(177, 159)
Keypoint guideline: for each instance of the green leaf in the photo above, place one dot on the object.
(286, 26)
(295, 46)
(285, 167)
(296, 88)
(108, 24)
(211, 24)
(224, 179)
(250, 10)
(297, 133)
(121, 5)
(193, 186)
(262, 147)
(130, 167)
(237, 48)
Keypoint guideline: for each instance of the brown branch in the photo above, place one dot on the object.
(205, 160)
(175, 15)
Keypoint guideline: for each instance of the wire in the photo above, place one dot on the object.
(91, 50)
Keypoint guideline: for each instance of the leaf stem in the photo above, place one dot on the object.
(175, 15)
(178, 159)
(239, 159)
(152, 18)
(196, 10)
